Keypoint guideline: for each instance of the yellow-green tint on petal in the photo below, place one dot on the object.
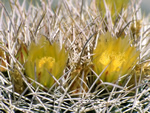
(115, 6)
(47, 58)
(117, 54)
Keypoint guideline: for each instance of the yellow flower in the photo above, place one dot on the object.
(45, 58)
(115, 6)
(48, 61)
(115, 53)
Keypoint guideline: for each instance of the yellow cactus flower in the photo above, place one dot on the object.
(46, 58)
(115, 53)
(115, 6)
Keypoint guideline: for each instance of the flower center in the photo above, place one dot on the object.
(115, 59)
(47, 62)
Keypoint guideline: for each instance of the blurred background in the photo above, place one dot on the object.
(145, 5)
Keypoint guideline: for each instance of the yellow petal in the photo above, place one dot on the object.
(115, 53)
(47, 58)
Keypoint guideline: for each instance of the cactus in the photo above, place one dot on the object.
(74, 58)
